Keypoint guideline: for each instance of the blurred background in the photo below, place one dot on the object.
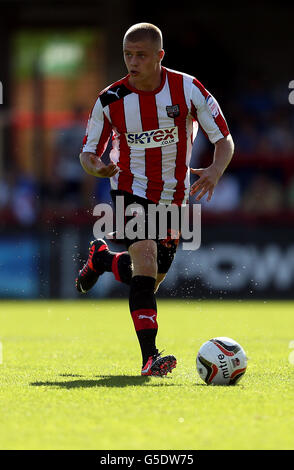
(55, 59)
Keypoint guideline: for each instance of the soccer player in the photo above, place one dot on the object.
(151, 112)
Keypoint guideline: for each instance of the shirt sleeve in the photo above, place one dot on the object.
(206, 110)
(97, 132)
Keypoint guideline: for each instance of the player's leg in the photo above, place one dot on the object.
(142, 300)
(166, 250)
(101, 260)
(143, 307)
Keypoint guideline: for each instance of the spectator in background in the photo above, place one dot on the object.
(5, 192)
(71, 185)
(18, 198)
(290, 195)
(68, 181)
(277, 138)
(255, 98)
(210, 56)
(263, 123)
(263, 196)
(23, 200)
(246, 136)
(201, 146)
(102, 185)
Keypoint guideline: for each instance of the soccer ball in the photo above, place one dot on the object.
(221, 361)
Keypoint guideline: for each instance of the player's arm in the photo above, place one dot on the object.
(210, 117)
(95, 142)
(209, 177)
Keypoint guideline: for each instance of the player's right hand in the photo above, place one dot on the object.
(94, 166)
(105, 171)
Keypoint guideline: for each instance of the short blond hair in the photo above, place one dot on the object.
(143, 31)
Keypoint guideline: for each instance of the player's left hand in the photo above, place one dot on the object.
(207, 181)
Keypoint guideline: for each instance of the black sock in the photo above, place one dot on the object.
(117, 263)
(143, 309)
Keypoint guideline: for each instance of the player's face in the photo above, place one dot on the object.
(142, 60)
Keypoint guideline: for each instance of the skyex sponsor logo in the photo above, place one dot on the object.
(153, 138)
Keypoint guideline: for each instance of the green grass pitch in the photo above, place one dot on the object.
(70, 377)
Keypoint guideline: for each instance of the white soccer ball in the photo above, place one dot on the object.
(221, 361)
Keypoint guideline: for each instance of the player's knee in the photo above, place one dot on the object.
(144, 258)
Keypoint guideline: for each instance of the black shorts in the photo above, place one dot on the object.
(166, 247)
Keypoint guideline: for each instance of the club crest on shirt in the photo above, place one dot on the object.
(173, 111)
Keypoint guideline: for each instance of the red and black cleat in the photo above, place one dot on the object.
(159, 366)
(88, 275)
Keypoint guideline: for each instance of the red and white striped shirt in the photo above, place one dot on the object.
(153, 134)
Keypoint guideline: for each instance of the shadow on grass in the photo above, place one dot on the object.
(118, 381)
